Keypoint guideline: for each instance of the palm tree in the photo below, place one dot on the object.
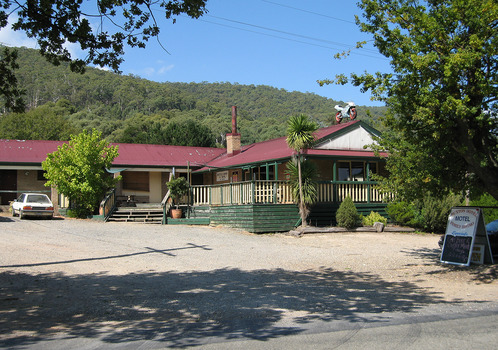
(300, 136)
(308, 184)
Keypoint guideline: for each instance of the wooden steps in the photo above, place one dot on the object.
(131, 214)
(153, 214)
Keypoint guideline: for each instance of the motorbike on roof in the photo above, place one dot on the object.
(348, 111)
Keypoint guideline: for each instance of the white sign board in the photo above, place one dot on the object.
(222, 176)
(465, 224)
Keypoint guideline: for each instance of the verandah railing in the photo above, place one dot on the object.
(279, 192)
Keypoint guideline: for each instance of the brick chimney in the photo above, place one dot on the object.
(233, 139)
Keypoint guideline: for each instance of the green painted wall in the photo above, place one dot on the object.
(257, 218)
(263, 218)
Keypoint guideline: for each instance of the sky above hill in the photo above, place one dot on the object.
(287, 44)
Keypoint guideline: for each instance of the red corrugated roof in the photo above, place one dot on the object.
(139, 155)
(26, 151)
(160, 155)
(276, 149)
(35, 151)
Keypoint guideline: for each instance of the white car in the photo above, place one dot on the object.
(33, 204)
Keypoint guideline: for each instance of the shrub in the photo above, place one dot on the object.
(347, 215)
(486, 200)
(402, 213)
(372, 218)
(178, 188)
(435, 212)
(429, 214)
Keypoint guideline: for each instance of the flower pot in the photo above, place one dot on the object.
(176, 213)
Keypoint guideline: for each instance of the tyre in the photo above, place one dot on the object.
(352, 113)
(338, 118)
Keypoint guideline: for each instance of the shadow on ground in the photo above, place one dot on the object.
(179, 309)
(485, 273)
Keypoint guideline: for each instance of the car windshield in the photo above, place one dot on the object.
(37, 198)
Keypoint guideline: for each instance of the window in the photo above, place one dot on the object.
(343, 171)
(354, 171)
(373, 168)
(136, 180)
(262, 173)
(41, 175)
(247, 175)
(37, 198)
(357, 171)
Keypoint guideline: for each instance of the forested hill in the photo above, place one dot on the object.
(128, 108)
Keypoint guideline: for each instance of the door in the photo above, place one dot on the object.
(8, 182)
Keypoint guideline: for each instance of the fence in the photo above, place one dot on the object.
(279, 192)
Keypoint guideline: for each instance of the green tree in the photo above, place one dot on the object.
(78, 170)
(300, 136)
(53, 23)
(9, 90)
(188, 133)
(47, 122)
(443, 91)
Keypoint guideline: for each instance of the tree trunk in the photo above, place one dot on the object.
(475, 150)
(302, 208)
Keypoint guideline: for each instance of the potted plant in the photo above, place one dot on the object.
(177, 189)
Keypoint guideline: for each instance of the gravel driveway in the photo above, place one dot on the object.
(121, 282)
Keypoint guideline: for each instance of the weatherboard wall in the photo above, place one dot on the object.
(257, 218)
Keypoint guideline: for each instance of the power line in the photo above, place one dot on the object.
(375, 54)
(347, 46)
(307, 11)
(280, 31)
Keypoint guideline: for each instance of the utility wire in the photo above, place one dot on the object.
(290, 39)
(347, 46)
(280, 31)
(311, 12)
(374, 53)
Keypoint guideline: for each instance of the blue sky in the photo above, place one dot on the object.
(288, 44)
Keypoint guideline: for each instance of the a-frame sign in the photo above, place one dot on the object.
(464, 231)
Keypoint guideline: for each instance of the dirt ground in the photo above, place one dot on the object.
(84, 278)
(408, 257)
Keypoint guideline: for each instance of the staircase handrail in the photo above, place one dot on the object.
(108, 204)
(165, 203)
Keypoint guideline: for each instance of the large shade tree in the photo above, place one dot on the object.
(54, 23)
(300, 136)
(442, 92)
